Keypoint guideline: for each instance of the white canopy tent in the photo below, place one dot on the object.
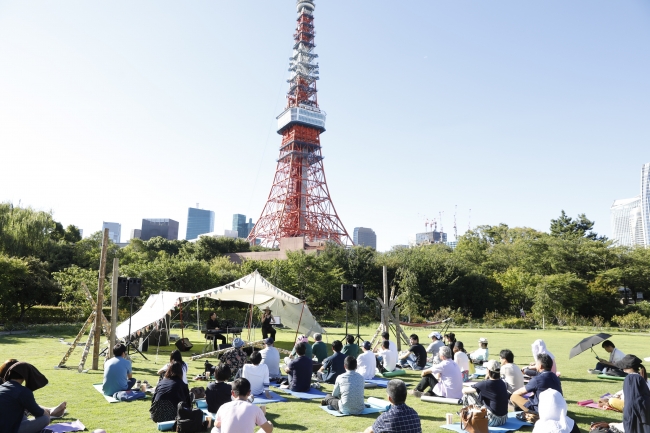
(252, 289)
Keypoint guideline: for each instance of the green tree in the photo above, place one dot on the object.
(565, 226)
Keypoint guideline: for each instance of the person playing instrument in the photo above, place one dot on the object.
(267, 327)
(211, 326)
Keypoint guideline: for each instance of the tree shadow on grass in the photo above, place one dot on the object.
(575, 379)
(598, 415)
(291, 427)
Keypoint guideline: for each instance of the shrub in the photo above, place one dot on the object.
(632, 320)
(513, 323)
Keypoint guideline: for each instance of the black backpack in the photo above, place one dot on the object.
(189, 420)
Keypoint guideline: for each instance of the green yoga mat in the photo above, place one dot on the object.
(608, 377)
(396, 372)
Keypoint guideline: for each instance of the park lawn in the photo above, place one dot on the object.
(43, 349)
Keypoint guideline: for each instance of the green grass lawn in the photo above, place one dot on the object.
(89, 406)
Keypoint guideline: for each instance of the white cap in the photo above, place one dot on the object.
(435, 334)
(482, 340)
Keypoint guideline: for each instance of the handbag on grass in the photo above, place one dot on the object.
(188, 420)
(474, 419)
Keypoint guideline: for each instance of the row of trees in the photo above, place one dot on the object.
(497, 269)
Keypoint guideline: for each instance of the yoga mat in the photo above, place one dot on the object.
(312, 394)
(608, 377)
(166, 425)
(585, 402)
(396, 372)
(511, 425)
(275, 398)
(376, 405)
(370, 385)
(381, 382)
(64, 427)
(109, 398)
(441, 400)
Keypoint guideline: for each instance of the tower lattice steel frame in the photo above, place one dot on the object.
(299, 202)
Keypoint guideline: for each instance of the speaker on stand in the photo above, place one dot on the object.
(352, 292)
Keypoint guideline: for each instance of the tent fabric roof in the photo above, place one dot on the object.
(251, 289)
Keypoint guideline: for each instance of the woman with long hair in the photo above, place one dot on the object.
(267, 327)
(169, 392)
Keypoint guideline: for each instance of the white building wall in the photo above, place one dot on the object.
(645, 203)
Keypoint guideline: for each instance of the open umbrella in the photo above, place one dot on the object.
(588, 343)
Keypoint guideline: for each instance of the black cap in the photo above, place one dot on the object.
(629, 361)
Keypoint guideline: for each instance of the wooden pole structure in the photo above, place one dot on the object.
(100, 301)
(116, 275)
(384, 319)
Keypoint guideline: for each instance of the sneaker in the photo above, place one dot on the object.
(594, 371)
(415, 393)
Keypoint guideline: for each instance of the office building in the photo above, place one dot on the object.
(630, 217)
(114, 231)
(434, 237)
(240, 225)
(231, 234)
(164, 227)
(136, 234)
(365, 237)
(199, 221)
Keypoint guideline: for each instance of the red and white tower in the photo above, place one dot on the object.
(299, 202)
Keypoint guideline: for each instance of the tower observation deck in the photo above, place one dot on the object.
(299, 202)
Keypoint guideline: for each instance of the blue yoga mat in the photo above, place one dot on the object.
(380, 381)
(312, 394)
(511, 425)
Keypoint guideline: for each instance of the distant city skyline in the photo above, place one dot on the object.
(199, 221)
(515, 110)
(630, 218)
(365, 237)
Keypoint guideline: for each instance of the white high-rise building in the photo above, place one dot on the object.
(630, 218)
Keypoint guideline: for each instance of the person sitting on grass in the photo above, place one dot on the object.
(366, 363)
(350, 348)
(480, 355)
(445, 379)
(235, 358)
(491, 393)
(271, 357)
(293, 355)
(240, 416)
(386, 358)
(219, 392)
(434, 346)
(258, 375)
(17, 399)
(416, 357)
(169, 392)
(510, 372)
(538, 347)
(545, 379)
(461, 358)
(175, 356)
(347, 396)
(553, 414)
(615, 355)
(332, 365)
(400, 418)
(299, 370)
(117, 372)
(319, 349)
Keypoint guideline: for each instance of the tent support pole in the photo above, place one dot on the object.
(299, 321)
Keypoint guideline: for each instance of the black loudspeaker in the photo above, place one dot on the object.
(122, 284)
(183, 345)
(358, 292)
(347, 292)
(135, 286)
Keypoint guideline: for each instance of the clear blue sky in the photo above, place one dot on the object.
(115, 111)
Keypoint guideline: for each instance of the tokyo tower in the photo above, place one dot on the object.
(299, 202)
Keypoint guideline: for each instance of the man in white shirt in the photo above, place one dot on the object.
(510, 372)
(480, 355)
(434, 347)
(393, 349)
(366, 362)
(240, 416)
(271, 357)
(258, 375)
(386, 358)
(615, 355)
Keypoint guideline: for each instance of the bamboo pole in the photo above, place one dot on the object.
(100, 301)
(116, 275)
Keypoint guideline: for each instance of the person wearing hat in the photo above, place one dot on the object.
(490, 393)
(435, 345)
(480, 355)
(267, 327)
(235, 357)
(636, 412)
(271, 357)
(308, 350)
(366, 362)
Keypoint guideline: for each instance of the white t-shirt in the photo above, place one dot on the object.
(616, 356)
(462, 360)
(389, 358)
(393, 348)
(479, 355)
(366, 365)
(239, 417)
(258, 376)
(271, 357)
(512, 376)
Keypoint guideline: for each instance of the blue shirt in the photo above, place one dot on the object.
(116, 371)
(301, 369)
(398, 419)
(15, 399)
(539, 384)
(333, 366)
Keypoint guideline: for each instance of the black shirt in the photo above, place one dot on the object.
(173, 390)
(420, 354)
(212, 324)
(15, 399)
(493, 394)
(217, 394)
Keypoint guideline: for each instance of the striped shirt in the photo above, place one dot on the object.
(398, 419)
(349, 389)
